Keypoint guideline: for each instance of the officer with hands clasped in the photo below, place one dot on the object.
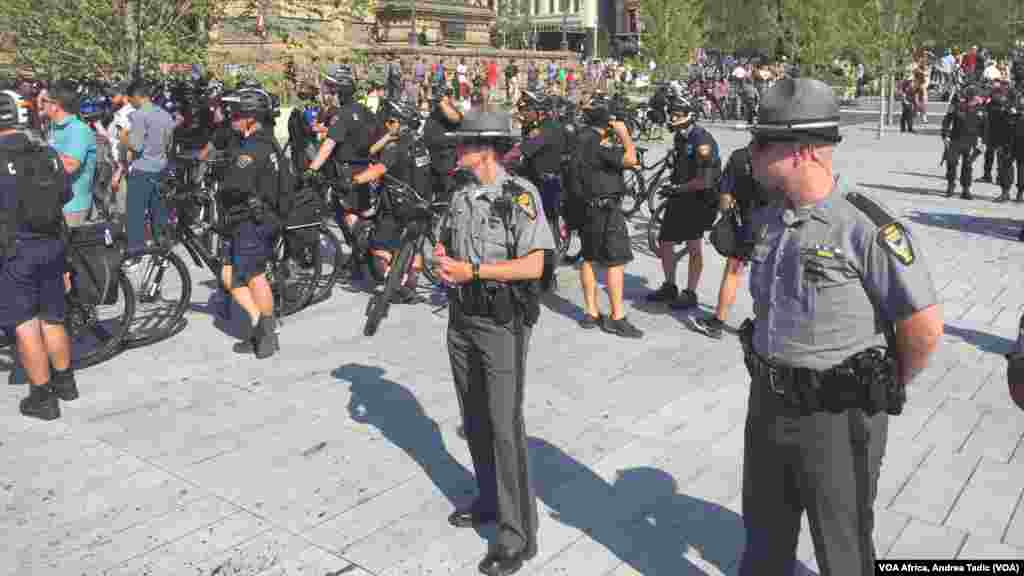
(846, 316)
(495, 252)
(33, 191)
(256, 189)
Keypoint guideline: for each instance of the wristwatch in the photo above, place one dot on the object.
(476, 271)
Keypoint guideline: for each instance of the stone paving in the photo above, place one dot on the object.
(340, 454)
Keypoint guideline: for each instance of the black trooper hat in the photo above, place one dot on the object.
(798, 109)
(487, 127)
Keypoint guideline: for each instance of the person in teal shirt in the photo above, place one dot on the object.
(76, 144)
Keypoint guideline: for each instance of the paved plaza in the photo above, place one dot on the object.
(340, 456)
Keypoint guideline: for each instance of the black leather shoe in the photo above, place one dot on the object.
(470, 518)
(501, 563)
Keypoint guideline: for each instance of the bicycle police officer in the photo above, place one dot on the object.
(495, 250)
(834, 277)
(33, 191)
(541, 150)
(403, 156)
(254, 194)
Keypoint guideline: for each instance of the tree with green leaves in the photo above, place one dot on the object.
(671, 30)
(103, 39)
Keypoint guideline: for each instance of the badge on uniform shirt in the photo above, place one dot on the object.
(243, 161)
(894, 238)
(525, 201)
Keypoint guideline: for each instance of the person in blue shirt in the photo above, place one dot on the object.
(75, 142)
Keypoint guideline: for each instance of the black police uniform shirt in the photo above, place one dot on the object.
(738, 180)
(37, 216)
(998, 120)
(409, 161)
(964, 124)
(352, 132)
(600, 166)
(687, 148)
(254, 171)
(543, 151)
(442, 150)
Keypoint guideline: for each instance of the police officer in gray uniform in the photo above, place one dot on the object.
(846, 315)
(495, 255)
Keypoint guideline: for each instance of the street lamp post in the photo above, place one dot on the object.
(138, 39)
(565, 39)
(412, 27)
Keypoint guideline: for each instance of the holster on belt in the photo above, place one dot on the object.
(483, 298)
(866, 381)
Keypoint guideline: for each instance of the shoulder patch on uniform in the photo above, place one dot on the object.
(704, 150)
(243, 161)
(525, 201)
(893, 237)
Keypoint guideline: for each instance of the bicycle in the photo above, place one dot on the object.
(639, 191)
(416, 217)
(95, 335)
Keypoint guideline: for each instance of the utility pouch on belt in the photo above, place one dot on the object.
(502, 307)
(865, 381)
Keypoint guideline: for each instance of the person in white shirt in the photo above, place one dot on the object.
(118, 130)
(460, 72)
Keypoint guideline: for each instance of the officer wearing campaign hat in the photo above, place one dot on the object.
(494, 254)
(846, 314)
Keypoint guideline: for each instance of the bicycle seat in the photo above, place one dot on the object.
(641, 150)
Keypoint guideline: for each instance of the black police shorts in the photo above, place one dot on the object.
(32, 283)
(250, 249)
(686, 218)
(605, 237)
(387, 234)
(359, 198)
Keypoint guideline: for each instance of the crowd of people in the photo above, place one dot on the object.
(845, 310)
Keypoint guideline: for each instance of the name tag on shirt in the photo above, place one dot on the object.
(422, 161)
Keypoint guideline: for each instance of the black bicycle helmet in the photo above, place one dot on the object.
(679, 104)
(404, 112)
(249, 102)
(598, 110)
(14, 110)
(529, 100)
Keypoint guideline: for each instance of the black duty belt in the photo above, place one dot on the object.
(866, 381)
(604, 202)
(484, 298)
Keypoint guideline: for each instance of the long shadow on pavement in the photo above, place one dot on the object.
(641, 518)
(1001, 228)
(920, 174)
(983, 341)
(936, 192)
(394, 410)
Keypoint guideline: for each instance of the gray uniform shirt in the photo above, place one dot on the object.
(825, 279)
(478, 234)
(152, 129)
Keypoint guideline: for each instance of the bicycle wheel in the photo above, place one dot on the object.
(654, 226)
(97, 332)
(377, 308)
(333, 259)
(293, 272)
(633, 198)
(162, 286)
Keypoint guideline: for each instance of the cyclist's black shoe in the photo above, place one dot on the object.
(667, 293)
(621, 327)
(710, 327)
(41, 403)
(687, 299)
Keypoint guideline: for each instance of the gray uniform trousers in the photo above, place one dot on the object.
(488, 366)
(825, 464)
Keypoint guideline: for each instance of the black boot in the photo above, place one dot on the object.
(63, 383)
(41, 403)
(966, 194)
(1004, 196)
(266, 338)
(1020, 194)
(950, 188)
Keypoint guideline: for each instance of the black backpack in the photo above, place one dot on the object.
(41, 166)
